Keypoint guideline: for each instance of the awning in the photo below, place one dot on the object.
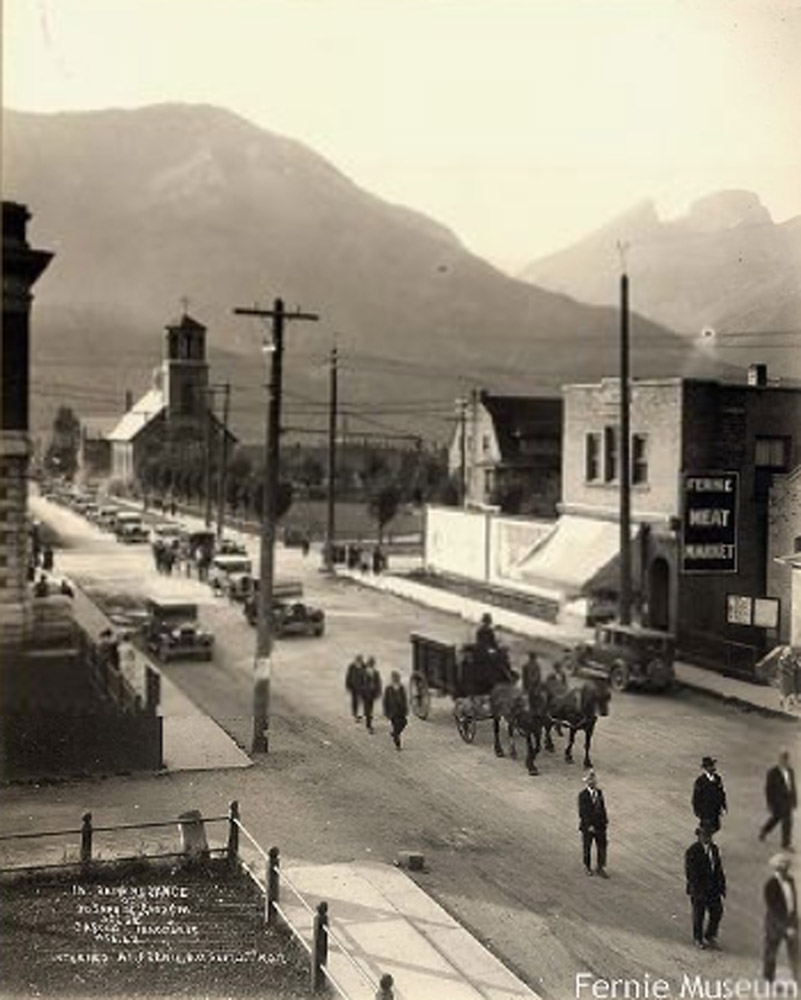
(578, 555)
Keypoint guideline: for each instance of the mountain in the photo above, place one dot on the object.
(145, 207)
(725, 265)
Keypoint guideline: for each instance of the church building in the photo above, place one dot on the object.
(172, 416)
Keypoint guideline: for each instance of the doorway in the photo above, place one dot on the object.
(659, 594)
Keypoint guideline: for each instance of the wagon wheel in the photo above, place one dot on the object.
(619, 677)
(420, 695)
(465, 722)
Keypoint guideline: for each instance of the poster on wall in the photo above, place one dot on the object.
(709, 522)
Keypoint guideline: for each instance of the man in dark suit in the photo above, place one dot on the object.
(396, 707)
(781, 917)
(593, 822)
(780, 792)
(709, 795)
(706, 887)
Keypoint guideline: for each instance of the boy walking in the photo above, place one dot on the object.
(353, 684)
(371, 689)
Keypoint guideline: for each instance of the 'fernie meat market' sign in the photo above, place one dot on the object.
(709, 523)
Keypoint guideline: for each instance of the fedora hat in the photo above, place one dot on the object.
(780, 860)
(708, 761)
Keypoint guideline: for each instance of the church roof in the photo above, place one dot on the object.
(185, 322)
(145, 409)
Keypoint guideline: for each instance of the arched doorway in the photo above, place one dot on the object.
(659, 594)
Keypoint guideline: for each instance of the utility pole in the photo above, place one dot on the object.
(223, 477)
(462, 406)
(330, 529)
(624, 609)
(209, 427)
(264, 625)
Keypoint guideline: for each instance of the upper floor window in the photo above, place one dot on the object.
(772, 453)
(611, 454)
(592, 457)
(639, 459)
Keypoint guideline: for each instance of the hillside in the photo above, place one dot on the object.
(145, 207)
(725, 265)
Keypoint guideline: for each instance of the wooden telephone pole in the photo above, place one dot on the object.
(330, 530)
(264, 625)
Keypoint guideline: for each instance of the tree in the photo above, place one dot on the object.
(383, 506)
(62, 453)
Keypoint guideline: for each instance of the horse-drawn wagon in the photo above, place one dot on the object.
(461, 672)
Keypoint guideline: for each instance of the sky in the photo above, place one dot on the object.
(520, 124)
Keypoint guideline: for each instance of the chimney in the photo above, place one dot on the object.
(758, 375)
(128, 400)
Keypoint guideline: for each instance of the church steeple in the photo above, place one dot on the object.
(186, 371)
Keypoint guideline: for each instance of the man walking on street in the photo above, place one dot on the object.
(780, 793)
(781, 917)
(706, 887)
(353, 684)
(370, 690)
(593, 822)
(396, 707)
(709, 795)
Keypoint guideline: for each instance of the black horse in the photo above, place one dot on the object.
(578, 708)
(526, 713)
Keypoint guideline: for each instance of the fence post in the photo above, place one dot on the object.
(233, 833)
(273, 883)
(86, 839)
(319, 955)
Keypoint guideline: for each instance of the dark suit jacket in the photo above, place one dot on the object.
(592, 815)
(778, 919)
(709, 797)
(781, 799)
(396, 704)
(705, 880)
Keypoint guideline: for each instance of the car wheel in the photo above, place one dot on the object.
(619, 677)
(319, 630)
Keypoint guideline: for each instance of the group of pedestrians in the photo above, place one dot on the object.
(705, 875)
(363, 684)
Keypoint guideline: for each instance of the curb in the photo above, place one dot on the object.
(741, 703)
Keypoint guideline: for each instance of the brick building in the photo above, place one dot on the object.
(22, 267)
(689, 434)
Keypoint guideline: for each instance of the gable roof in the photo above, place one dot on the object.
(523, 418)
(145, 409)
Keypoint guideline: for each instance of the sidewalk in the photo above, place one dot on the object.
(381, 921)
(754, 696)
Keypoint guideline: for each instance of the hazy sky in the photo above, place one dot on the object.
(521, 124)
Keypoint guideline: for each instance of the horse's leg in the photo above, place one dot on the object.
(496, 732)
(569, 747)
(548, 740)
(512, 744)
(588, 731)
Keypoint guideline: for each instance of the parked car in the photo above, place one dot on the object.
(165, 531)
(132, 533)
(289, 617)
(630, 656)
(232, 575)
(172, 632)
(228, 547)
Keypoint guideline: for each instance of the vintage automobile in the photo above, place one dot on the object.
(231, 575)
(290, 617)
(131, 533)
(228, 547)
(171, 631)
(165, 531)
(630, 656)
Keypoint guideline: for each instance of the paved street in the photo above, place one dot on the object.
(503, 848)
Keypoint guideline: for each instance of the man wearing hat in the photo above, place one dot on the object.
(593, 822)
(706, 887)
(709, 795)
(486, 640)
(782, 800)
(781, 917)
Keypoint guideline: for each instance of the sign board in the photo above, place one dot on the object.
(762, 612)
(709, 522)
(766, 612)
